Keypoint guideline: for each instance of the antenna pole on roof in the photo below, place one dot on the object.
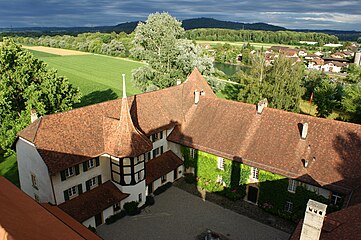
(124, 89)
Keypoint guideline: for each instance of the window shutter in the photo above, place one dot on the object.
(149, 155)
(80, 189)
(99, 179)
(161, 134)
(62, 175)
(87, 185)
(66, 195)
(77, 169)
(97, 161)
(154, 153)
(85, 166)
(161, 150)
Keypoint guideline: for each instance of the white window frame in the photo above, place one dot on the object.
(91, 163)
(193, 153)
(292, 185)
(69, 172)
(139, 175)
(93, 182)
(116, 207)
(73, 192)
(289, 206)
(163, 178)
(255, 173)
(220, 163)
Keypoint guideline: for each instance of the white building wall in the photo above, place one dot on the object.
(30, 161)
(107, 213)
(89, 222)
(60, 186)
(134, 192)
(176, 148)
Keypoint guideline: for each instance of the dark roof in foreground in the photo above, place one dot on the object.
(161, 165)
(23, 218)
(92, 202)
(344, 224)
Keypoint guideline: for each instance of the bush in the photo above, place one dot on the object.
(93, 229)
(131, 208)
(149, 201)
(231, 194)
(163, 188)
(115, 217)
(190, 178)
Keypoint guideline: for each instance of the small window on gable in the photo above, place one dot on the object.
(220, 164)
(116, 207)
(34, 181)
(254, 173)
(156, 136)
(164, 178)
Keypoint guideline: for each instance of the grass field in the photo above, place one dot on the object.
(98, 77)
(9, 169)
(256, 45)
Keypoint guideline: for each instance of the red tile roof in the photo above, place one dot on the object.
(161, 165)
(92, 202)
(84, 131)
(23, 218)
(344, 224)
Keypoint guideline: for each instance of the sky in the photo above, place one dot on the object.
(293, 14)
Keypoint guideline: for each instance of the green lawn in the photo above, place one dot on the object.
(98, 77)
(9, 168)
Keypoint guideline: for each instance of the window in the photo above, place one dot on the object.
(156, 136)
(147, 156)
(288, 206)
(91, 163)
(164, 178)
(220, 163)
(254, 173)
(92, 182)
(36, 197)
(72, 192)
(139, 175)
(116, 207)
(137, 160)
(33, 181)
(292, 185)
(336, 199)
(193, 153)
(69, 172)
(219, 179)
(157, 151)
(140, 197)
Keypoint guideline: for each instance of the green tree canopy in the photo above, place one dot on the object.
(327, 97)
(351, 102)
(25, 84)
(354, 73)
(159, 42)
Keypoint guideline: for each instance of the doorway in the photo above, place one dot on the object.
(252, 194)
(98, 219)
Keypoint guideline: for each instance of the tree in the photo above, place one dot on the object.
(353, 73)
(351, 102)
(25, 84)
(326, 98)
(159, 42)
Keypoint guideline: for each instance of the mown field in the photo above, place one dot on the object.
(256, 45)
(98, 77)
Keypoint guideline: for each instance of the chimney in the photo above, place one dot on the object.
(313, 221)
(33, 115)
(179, 82)
(203, 93)
(124, 88)
(304, 131)
(196, 96)
(261, 105)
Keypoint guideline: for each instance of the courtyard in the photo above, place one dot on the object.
(177, 214)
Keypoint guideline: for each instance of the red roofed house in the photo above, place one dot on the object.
(121, 150)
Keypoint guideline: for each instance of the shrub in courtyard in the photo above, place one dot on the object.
(93, 229)
(232, 194)
(115, 217)
(162, 188)
(149, 201)
(131, 208)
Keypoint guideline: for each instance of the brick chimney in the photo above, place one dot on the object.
(33, 115)
(313, 222)
(261, 105)
(196, 96)
(179, 82)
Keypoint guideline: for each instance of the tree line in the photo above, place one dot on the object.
(280, 37)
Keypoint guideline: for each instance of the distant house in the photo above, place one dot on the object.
(24, 218)
(333, 66)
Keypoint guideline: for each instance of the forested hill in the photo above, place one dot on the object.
(188, 24)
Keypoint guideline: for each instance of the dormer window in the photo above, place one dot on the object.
(156, 136)
(69, 172)
(91, 163)
(254, 173)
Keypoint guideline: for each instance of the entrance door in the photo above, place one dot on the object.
(98, 219)
(252, 194)
(175, 174)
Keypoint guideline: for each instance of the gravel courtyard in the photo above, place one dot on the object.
(177, 214)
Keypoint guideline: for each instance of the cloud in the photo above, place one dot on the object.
(332, 14)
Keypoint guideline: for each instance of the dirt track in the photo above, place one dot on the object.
(56, 51)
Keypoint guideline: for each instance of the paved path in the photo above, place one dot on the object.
(177, 214)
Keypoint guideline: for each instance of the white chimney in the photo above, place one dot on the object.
(203, 93)
(304, 131)
(33, 115)
(313, 222)
(261, 105)
(179, 82)
(196, 96)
